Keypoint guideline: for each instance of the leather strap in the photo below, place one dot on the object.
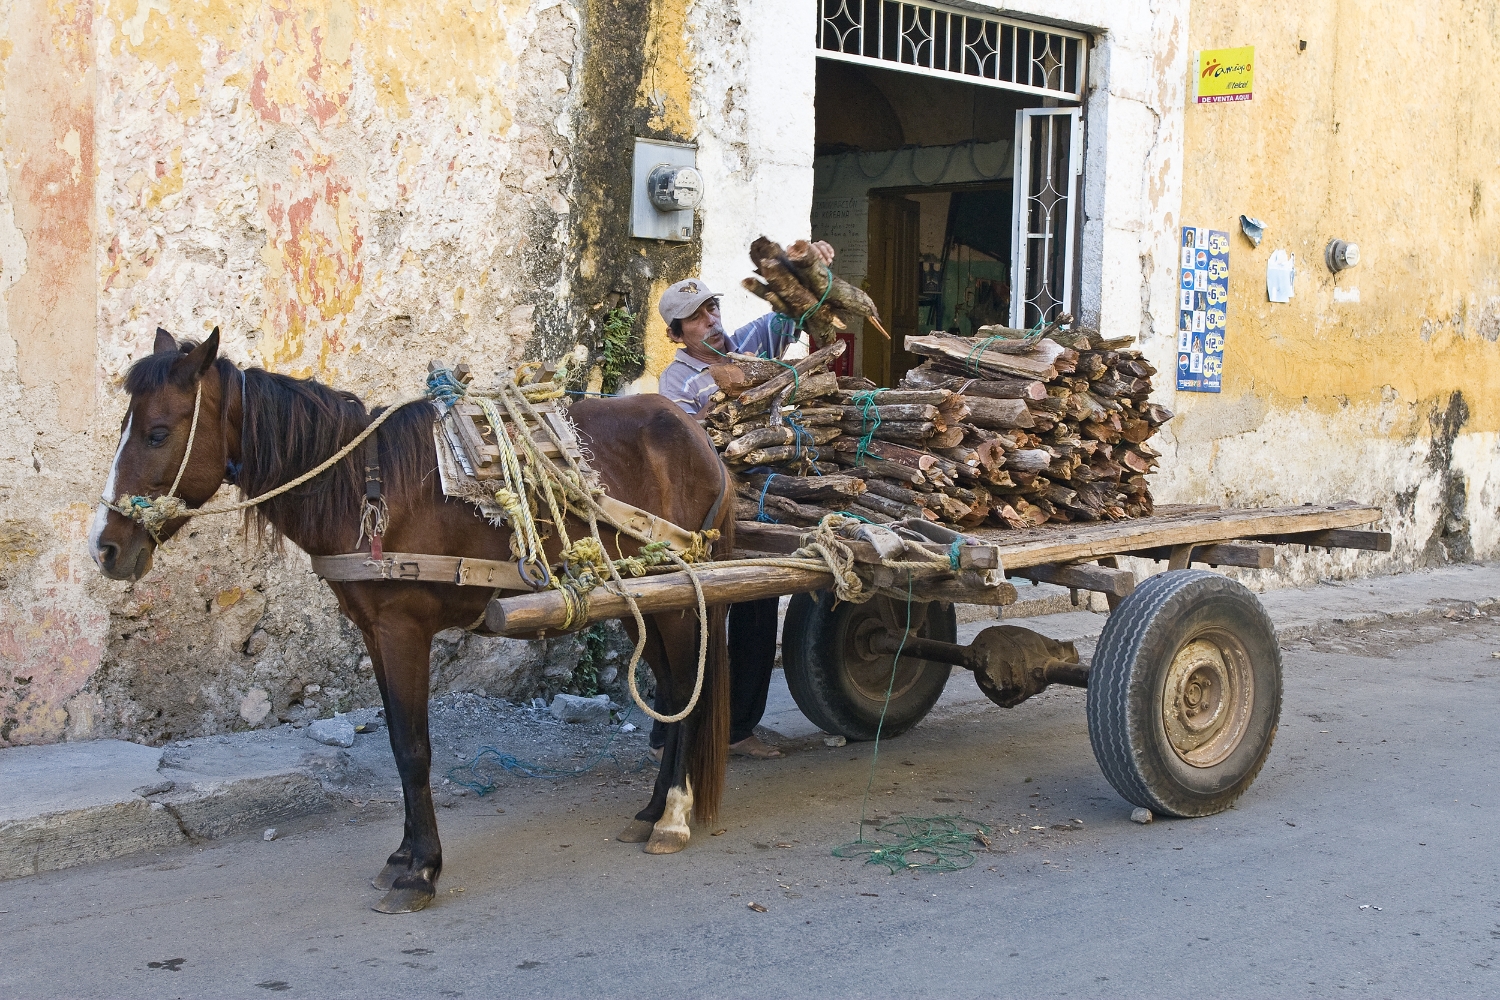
(416, 568)
(658, 529)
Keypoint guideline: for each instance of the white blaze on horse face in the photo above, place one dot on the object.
(101, 515)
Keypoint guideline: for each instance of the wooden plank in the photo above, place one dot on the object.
(1337, 538)
(1079, 542)
(1244, 554)
(1083, 576)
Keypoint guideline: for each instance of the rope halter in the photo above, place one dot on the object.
(153, 513)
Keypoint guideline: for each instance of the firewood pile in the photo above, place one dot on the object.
(1012, 428)
(795, 283)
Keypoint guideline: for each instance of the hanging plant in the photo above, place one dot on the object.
(620, 354)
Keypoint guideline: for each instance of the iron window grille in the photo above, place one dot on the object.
(949, 42)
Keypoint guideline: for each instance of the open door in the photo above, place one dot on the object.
(1049, 158)
(895, 280)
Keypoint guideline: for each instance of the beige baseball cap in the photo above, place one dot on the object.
(683, 299)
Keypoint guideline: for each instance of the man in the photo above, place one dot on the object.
(691, 311)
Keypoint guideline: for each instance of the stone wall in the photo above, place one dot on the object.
(346, 190)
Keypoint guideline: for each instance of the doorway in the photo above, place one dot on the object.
(939, 262)
(940, 196)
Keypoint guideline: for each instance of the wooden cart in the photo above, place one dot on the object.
(1184, 687)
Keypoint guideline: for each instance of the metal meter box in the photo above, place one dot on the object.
(665, 187)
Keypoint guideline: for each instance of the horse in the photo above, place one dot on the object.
(258, 429)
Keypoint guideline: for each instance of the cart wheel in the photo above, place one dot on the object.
(1185, 693)
(840, 684)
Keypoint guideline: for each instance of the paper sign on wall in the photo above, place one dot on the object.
(1203, 304)
(1225, 75)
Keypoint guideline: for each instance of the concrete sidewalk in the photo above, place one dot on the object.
(75, 803)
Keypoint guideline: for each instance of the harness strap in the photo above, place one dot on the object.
(657, 529)
(418, 568)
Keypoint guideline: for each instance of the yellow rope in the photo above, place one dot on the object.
(152, 513)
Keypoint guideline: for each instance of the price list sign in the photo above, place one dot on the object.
(1203, 301)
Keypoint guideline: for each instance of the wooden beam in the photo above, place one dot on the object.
(1370, 541)
(1082, 576)
(1245, 554)
(545, 612)
(1079, 542)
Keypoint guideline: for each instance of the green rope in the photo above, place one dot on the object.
(937, 841)
(826, 291)
(865, 400)
(919, 844)
(879, 726)
(972, 363)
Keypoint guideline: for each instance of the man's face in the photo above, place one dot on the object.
(703, 333)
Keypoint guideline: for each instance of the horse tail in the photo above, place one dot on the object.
(708, 755)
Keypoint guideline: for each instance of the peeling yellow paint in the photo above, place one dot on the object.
(1341, 140)
(666, 82)
(660, 348)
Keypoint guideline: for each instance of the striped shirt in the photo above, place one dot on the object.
(686, 380)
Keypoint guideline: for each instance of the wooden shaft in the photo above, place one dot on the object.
(1082, 576)
(545, 611)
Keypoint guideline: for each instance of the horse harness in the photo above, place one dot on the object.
(153, 513)
(470, 438)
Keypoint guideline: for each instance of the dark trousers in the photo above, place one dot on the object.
(752, 655)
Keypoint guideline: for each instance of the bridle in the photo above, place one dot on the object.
(152, 513)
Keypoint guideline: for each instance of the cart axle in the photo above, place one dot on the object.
(1010, 663)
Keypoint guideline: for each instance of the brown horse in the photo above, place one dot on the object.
(258, 430)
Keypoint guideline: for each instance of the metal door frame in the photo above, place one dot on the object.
(1021, 236)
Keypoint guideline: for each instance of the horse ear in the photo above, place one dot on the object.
(165, 343)
(198, 360)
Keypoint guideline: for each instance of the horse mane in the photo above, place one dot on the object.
(291, 425)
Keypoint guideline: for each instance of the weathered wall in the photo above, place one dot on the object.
(347, 190)
(1379, 384)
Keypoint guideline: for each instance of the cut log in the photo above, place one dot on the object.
(763, 437)
(977, 360)
(903, 431)
(814, 362)
(999, 414)
(820, 489)
(810, 269)
(897, 397)
(899, 411)
(1026, 461)
(879, 466)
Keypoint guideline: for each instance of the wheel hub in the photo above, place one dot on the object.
(1207, 698)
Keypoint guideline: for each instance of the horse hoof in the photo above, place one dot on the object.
(667, 841)
(637, 831)
(407, 900)
(388, 876)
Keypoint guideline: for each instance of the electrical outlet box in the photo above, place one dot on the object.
(647, 221)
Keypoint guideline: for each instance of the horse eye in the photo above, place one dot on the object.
(157, 436)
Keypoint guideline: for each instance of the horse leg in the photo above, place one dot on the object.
(670, 832)
(399, 863)
(401, 665)
(678, 638)
(638, 830)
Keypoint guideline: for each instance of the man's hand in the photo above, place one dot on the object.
(824, 252)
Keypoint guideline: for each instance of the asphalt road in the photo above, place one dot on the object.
(1362, 862)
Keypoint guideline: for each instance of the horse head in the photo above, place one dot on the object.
(176, 395)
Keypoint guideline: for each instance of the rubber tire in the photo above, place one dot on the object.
(1129, 674)
(812, 655)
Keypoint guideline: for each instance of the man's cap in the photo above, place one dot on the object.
(683, 299)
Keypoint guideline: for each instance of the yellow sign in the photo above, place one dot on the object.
(1225, 75)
